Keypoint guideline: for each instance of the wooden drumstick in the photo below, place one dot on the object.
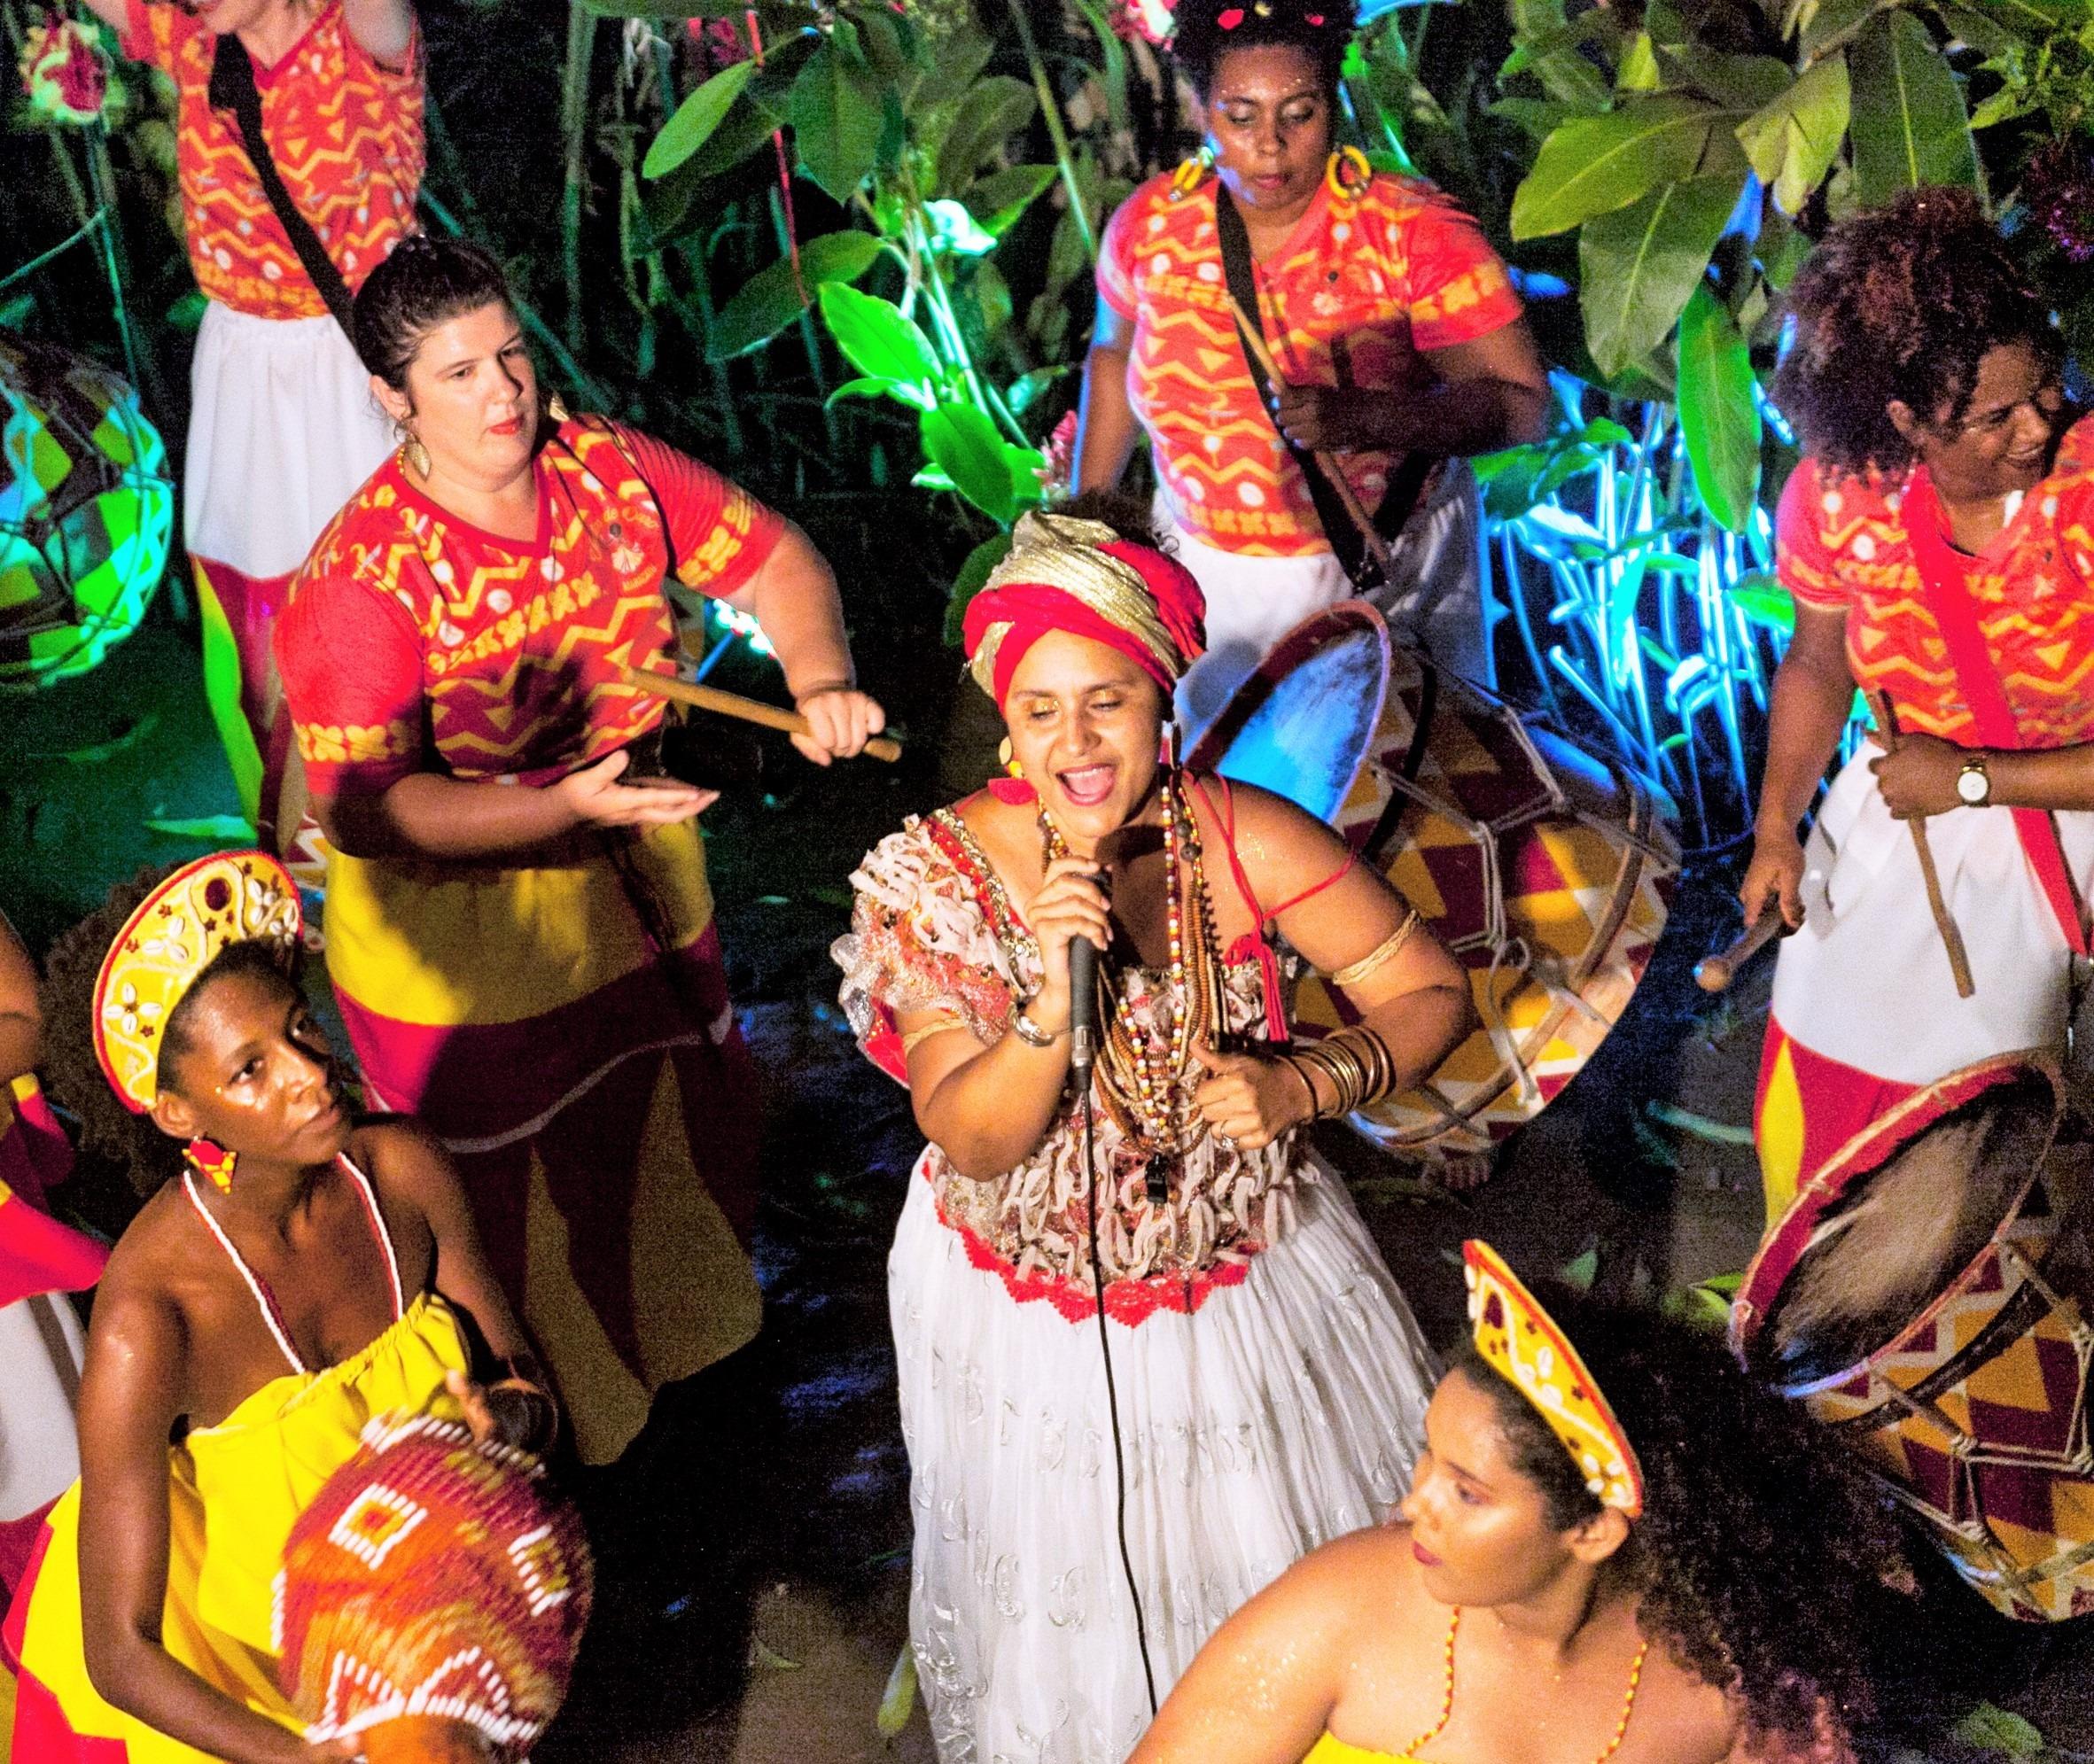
(744, 710)
(1959, 966)
(1254, 337)
(1712, 973)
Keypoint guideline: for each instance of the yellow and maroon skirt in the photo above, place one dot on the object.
(567, 1033)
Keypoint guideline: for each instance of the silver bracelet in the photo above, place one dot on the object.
(1030, 1032)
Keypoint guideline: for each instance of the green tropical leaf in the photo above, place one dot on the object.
(1909, 124)
(1996, 1729)
(997, 200)
(1638, 265)
(953, 70)
(1548, 50)
(1594, 165)
(1027, 465)
(963, 443)
(696, 118)
(773, 298)
(875, 338)
(898, 1700)
(1763, 600)
(1793, 142)
(1638, 71)
(901, 391)
(1719, 413)
(1741, 82)
(837, 119)
(952, 229)
(1829, 23)
(994, 109)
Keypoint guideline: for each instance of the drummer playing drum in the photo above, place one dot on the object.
(1936, 539)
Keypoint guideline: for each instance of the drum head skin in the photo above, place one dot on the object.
(1300, 726)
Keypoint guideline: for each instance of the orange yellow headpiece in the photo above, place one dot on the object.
(229, 898)
(1519, 1340)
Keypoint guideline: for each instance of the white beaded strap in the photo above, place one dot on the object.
(263, 1301)
(385, 1236)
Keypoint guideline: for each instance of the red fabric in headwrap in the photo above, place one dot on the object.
(1032, 610)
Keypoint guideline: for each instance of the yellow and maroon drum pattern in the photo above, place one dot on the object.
(1547, 871)
(1973, 1412)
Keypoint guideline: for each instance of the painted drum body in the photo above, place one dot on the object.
(1547, 870)
(1971, 1405)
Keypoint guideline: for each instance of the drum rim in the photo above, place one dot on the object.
(1867, 1151)
(1220, 735)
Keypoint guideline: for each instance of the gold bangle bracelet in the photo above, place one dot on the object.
(1301, 1071)
(917, 1037)
(1380, 956)
(1377, 1067)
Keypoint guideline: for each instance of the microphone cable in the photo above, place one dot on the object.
(1083, 986)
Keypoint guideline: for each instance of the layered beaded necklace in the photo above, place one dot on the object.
(1612, 1745)
(1143, 1076)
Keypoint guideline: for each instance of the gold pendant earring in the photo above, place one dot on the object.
(418, 456)
(555, 411)
(1191, 172)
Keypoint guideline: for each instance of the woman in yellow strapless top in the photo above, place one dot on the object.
(1556, 1594)
(301, 1274)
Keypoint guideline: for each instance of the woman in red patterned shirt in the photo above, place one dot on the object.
(282, 427)
(1390, 318)
(520, 936)
(1936, 539)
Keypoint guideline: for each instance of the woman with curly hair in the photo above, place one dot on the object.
(1393, 327)
(1616, 1547)
(305, 1269)
(1936, 539)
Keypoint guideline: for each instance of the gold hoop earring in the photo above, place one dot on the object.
(1348, 172)
(1191, 174)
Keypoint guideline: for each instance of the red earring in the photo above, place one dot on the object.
(212, 1160)
(1013, 789)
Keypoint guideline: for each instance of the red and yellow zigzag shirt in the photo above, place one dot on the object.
(1840, 546)
(418, 642)
(1373, 279)
(346, 134)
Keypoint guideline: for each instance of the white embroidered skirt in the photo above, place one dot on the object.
(1287, 1410)
(282, 430)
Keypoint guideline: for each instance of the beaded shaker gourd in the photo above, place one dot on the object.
(432, 1598)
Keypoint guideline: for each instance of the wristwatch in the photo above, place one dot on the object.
(1974, 783)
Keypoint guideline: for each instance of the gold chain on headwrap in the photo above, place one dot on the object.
(1060, 551)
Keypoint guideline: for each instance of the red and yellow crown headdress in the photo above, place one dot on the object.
(1521, 1342)
(178, 930)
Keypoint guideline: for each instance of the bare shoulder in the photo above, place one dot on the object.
(1693, 1718)
(1350, 1579)
(1283, 847)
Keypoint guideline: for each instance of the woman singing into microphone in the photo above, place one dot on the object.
(1267, 1379)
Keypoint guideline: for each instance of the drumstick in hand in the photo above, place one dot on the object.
(1959, 966)
(743, 710)
(1254, 337)
(1712, 973)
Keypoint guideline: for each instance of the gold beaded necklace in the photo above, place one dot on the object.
(1621, 1728)
(1143, 1085)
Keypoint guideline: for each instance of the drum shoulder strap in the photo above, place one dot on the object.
(233, 88)
(1406, 482)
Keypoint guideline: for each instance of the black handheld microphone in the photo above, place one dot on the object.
(1083, 1006)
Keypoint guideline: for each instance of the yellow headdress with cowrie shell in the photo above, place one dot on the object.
(1521, 1342)
(178, 930)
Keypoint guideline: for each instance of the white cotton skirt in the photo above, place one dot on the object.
(282, 430)
(1435, 600)
(1284, 1411)
(1867, 982)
